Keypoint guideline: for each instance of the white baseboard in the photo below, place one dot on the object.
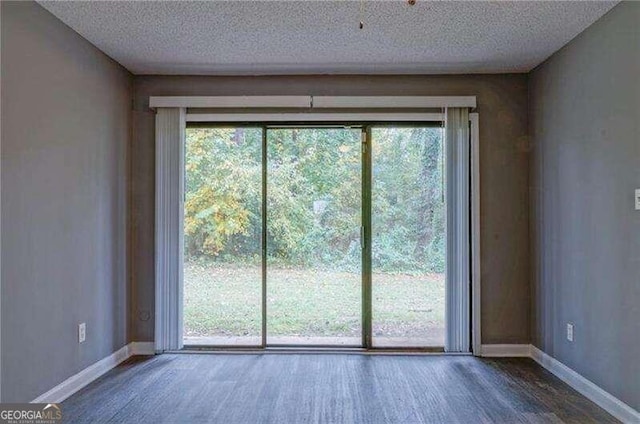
(591, 391)
(77, 381)
(141, 348)
(84, 377)
(505, 350)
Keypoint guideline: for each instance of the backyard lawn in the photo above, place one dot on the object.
(225, 301)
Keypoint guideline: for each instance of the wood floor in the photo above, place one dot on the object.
(329, 388)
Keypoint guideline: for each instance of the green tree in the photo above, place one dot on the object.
(314, 197)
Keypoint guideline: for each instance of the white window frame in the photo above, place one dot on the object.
(170, 138)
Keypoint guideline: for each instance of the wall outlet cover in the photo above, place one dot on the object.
(82, 332)
(570, 332)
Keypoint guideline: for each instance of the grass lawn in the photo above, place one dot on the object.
(225, 301)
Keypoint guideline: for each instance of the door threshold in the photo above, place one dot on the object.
(315, 350)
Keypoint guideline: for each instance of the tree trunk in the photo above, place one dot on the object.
(430, 187)
(238, 136)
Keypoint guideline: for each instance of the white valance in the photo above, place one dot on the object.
(313, 102)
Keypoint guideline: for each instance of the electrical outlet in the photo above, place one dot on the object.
(570, 332)
(82, 332)
(638, 199)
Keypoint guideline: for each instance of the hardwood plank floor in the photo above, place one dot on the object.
(329, 388)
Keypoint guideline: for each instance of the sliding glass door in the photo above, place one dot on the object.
(314, 256)
(222, 271)
(408, 237)
(314, 236)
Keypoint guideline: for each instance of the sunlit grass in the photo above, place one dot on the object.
(226, 301)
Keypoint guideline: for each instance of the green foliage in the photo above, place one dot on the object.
(408, 206)
(223, 192)
(314, 197)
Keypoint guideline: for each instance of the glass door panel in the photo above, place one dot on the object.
(314, 280)
(408, 237)
(222, 237)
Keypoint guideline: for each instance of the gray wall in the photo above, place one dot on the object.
(585, 127)
(502, 104)
(65, 131)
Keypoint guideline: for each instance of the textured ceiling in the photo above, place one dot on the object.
(301, 37)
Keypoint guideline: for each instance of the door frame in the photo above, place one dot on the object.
(169, 337)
